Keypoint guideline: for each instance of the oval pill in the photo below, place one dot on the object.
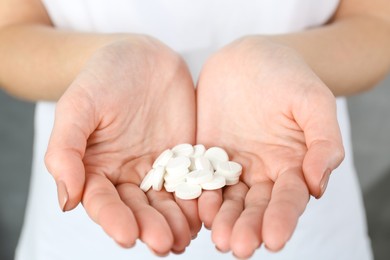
(186, 191)
(158, 178)
(176, 163)
(199, 176)
(147, 181)
(192, 166)
(170, 187)
(202, 163)
(232, 181)
(229, 169)
(169, 177)
(216, 155)
(217, 182)
(163, 158)
(183, 150)
(199, 150)
(177, 172)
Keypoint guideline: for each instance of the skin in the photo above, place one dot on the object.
(279, 140)
(105, 157)
(278, 93)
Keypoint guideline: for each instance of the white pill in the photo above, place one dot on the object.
(192, 166)
(216, 183)
(178, 171)
(202, 163)
(199, 176)
(183, 150)
(216, 155)
(163, 158)
(178, 164)
(158, 178)
(176, 177)
(232, 181)
(186, 191)
(170, 187)
(172, 169)
(147, 181)
(229, 169)
(199, 150)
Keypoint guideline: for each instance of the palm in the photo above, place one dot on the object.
(264, 139)
(124, 108)
(259, 106)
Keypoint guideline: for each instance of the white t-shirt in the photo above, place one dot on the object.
(333, 227)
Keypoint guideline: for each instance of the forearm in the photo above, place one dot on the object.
(39, 62)
(349, 55)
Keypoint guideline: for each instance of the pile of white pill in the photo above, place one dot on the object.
(186, 170)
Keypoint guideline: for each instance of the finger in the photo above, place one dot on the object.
(66, 150)
(320, 160)
(190, 211)
(246, 235)
(318, 118)
(232, 206)
(288, 201)
(209, 204)
(177, 221)
(154, 229)
(104, 205)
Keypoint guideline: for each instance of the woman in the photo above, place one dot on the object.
(124, 97)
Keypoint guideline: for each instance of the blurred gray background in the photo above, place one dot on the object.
(370, 118)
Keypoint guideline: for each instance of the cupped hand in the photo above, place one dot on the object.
(133, 99)
(265, 106)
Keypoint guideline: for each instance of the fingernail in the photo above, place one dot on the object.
(220, 250)
(126, 245)
(238, 258)
(62, 195)
(194, 236)
(178, 252)
(324, 182)
(158, 253)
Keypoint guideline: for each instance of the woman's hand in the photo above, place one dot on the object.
(265, 106)
(133, 99)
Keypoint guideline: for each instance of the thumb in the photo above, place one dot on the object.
(318, 119)
(322, 157)
(66, 149)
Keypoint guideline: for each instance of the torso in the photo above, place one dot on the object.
(195, 29)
